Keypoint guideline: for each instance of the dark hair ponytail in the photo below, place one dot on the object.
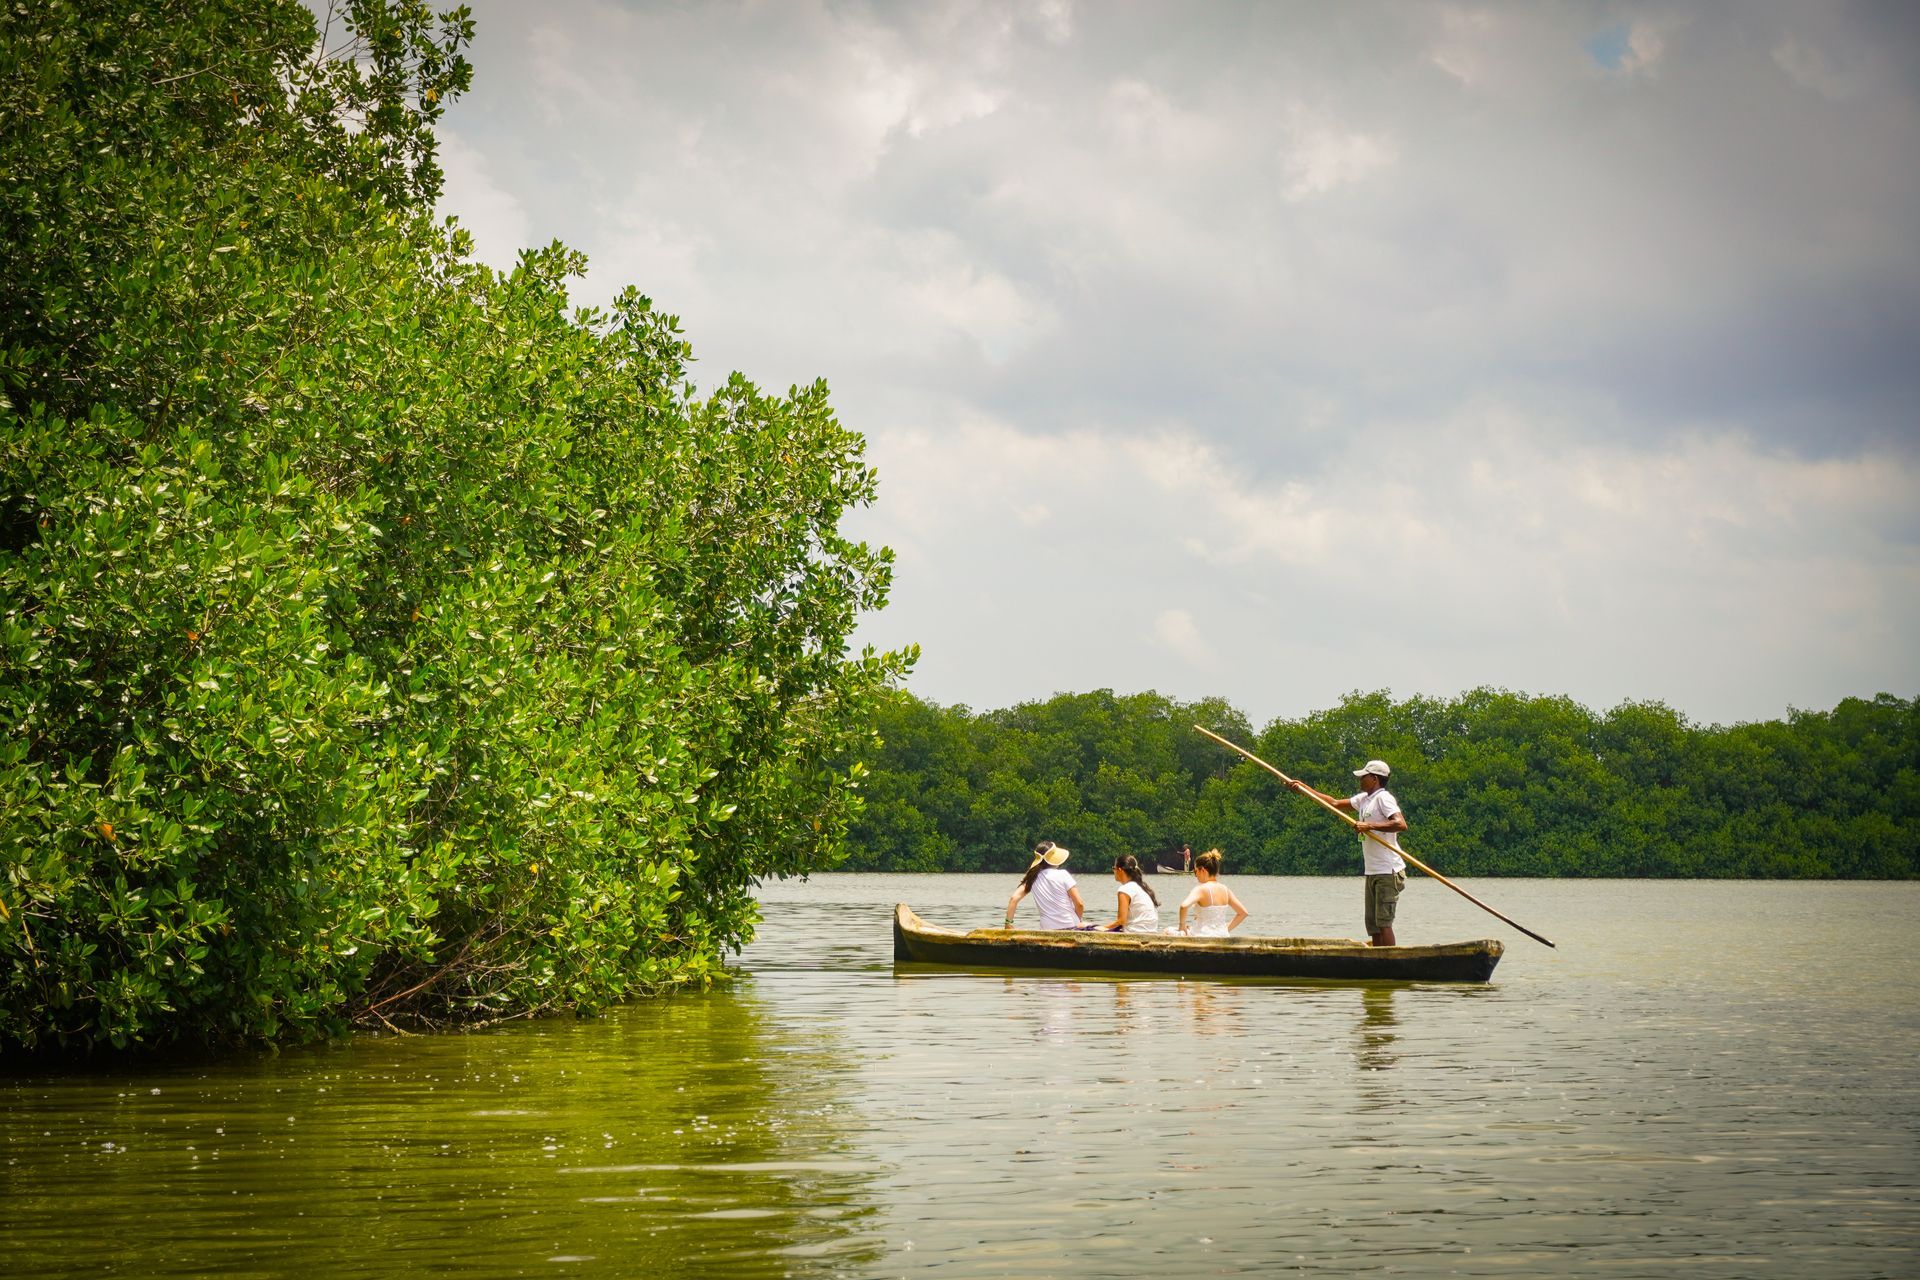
(1129, 866)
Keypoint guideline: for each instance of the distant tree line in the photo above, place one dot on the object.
(1493, 782)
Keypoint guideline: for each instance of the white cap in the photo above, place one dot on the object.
(1376, 767)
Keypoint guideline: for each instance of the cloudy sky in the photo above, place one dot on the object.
(1276, 351)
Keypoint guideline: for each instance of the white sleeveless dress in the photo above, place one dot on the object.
(1210, 922)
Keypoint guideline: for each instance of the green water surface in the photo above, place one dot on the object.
(1704, 1079)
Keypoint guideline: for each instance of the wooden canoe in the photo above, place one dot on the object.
(917, 942)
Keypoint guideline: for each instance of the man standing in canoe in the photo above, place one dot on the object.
(1375, 810)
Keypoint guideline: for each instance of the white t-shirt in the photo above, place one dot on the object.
(1050, 895)
(1142, 915)
(1377, 806)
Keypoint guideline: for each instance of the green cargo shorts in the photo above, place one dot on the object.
(1383, 897)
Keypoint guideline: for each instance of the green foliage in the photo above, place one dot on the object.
(1494, 783)
(380, 638)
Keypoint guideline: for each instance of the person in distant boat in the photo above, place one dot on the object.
(1052, 888)
(1186, 859)
(1139, 906)
(1211, 902)
(1375, 810)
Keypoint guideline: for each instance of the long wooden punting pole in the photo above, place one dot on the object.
(1353, 822)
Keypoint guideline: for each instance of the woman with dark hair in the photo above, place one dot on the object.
(1139, 906)
(1052, 888)
(1211, 902)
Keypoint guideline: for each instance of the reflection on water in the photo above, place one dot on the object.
(1374, 1051)
(1625, 1106)
(1634, 1104)
(675, 1137)
(1213, 1008)
(1374, 1056)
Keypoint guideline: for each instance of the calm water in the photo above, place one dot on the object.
(1704, 1080)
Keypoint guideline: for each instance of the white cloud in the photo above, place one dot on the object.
(985, 305)
(1460, 49)
(498, 224)
(1811, 68)
(1175, 630)
(1646, 41)
(1479, 549)
(1148, 313)
(1053, 18)
(1322, 158)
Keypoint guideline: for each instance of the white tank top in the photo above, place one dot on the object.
(1142, 915)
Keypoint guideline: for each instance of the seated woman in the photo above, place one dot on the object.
(1052, 888)
(1139, 907)
(1211, 902)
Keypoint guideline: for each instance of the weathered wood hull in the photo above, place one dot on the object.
(917, 942)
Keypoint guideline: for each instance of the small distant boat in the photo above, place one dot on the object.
(1166, 870)
(917, 942)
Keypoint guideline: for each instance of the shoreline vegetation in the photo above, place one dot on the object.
(384, 641)
(1494, 783)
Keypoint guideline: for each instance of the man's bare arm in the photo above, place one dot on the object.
(1338, 802)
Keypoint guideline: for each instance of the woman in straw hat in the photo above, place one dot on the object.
(1052, 888)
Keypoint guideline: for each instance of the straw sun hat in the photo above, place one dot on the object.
(1055, 854)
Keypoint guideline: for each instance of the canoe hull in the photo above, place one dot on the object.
(917, 942)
